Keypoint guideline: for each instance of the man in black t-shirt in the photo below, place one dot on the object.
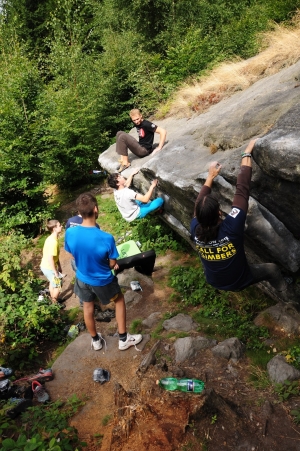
(144, 146)
(220, 243)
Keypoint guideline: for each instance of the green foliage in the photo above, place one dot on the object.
(296, 415)
(13, 274)
(286, 390)
(46, 428)
(259, 357)
(259, 378)
(71, 70)
(136, 326)
(216, 308)
(293, 356)
(23, 320)
(214, 419)
(106, 419)
(22, 198)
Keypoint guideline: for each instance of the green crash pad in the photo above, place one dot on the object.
(128, 249)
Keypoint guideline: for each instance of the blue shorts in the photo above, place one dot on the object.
(50, 274)
(90, 293)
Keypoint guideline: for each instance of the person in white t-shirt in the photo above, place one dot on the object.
(133, 205)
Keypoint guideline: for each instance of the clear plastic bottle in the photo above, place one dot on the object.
(185, 385)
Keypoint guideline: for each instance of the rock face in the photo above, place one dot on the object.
(269, 109)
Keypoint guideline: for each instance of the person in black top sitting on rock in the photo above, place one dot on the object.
(144, 146)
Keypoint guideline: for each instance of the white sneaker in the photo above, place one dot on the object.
(131, 340)
(97, 345)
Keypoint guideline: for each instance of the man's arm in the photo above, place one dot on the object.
(242, 192)
(113, 263)
(129, 180)
(213, 171)
(163, 134)
(146, 197)
(52, 265)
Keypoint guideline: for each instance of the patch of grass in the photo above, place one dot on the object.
(158, 331)
(259, 378)
(177, 335)
(98, 439)
(280, 48)
(136, 326)
(229, 314)
(156, 334)
(41, 241)
(74, 315)
(106, 419)
(58, 351)
(259, 357)
(296, 416)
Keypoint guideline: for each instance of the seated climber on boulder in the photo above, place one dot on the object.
(220, 243)
(133, 205)
(144, 146)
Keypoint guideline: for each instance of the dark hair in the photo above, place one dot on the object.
(113, 180)
(208, 215)
(86, 204)
(51, 224)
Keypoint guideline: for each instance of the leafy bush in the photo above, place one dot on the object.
(45, 428)
(23, 320)
(286, 390)
(155, 234)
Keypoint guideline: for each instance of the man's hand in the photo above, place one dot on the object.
(155, 151)
(214, 169)
(250, 146)
(154, 183)
(129, 180)
(116, 267)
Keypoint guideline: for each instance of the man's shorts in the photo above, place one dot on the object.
(89, 293)
(56, 282)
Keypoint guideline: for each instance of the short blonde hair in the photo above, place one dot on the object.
(134, 112)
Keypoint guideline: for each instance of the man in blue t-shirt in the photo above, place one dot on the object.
(74, 222)
(220, 243)
(144, 146)
(95, 255)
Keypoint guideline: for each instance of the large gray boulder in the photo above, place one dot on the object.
(280, 371)
(270, 109)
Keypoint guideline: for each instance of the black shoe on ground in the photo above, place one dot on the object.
(21, 406)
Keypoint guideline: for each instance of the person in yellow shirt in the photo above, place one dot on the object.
(50, 265)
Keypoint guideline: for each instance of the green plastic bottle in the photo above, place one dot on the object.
(168, 383)
(185, 385)
(191, 385)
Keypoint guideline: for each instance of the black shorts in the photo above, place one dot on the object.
(105, 294)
